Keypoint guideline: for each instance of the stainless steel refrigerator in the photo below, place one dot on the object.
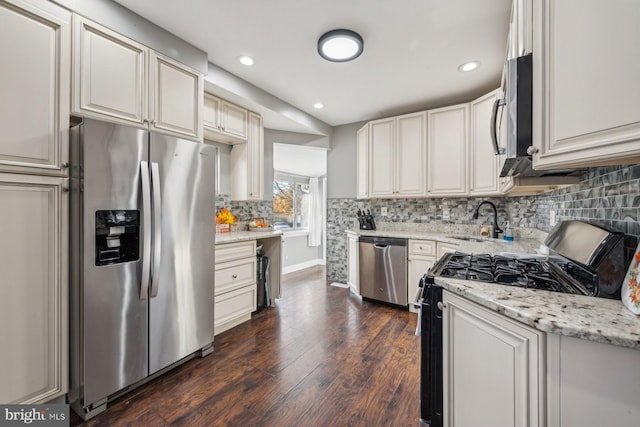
(142, 257)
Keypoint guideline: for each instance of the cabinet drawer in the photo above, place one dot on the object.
(444, 248)
(234, 274)
(422, 247)
(232, 306)
(230, 251)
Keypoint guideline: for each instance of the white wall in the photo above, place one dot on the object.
(341, 162)
(297, 255)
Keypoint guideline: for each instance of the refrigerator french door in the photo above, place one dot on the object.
(142, 257)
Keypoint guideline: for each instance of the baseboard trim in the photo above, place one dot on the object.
(302, 265)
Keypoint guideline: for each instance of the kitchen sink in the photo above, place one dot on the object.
(468, 238)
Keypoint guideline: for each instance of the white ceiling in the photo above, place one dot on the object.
(412, 49)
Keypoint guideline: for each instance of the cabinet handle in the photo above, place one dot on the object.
(65, 189)
(235, 276)
(65, 165)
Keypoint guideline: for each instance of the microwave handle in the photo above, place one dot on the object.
(494, 126)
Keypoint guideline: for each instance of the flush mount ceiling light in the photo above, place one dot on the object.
(469, 66)
(246, 60)
(340, 45)
(318, 105)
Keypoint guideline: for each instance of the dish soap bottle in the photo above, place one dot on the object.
(508, 235)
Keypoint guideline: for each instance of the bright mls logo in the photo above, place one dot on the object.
(37, 415)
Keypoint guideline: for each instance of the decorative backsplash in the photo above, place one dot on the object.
(608, 195)
(245, 210)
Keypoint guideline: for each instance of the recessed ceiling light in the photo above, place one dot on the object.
(469, 66)
(340, 45)
(318, 105)
(246, 60)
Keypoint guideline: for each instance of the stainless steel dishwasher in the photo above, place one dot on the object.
(383, 269)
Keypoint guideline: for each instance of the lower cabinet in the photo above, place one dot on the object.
(592, 384)
(352, 263)
(493, 368)
(444, 248)
(421, 255)
(34, 287)
(235, 284)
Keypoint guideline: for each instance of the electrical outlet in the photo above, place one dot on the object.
(552, 218)
(446, 213)
(383, 211)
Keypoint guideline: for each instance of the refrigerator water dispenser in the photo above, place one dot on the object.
(117, 236)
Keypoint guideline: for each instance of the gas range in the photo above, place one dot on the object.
(524, 271)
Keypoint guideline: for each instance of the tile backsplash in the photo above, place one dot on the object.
(607, 195)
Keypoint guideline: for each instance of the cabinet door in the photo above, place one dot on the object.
(447, 131)
(484, 351)
(233, 120)
(34, 288)
(483, 160)
(445, 248)
(211, 113)
(109, 74)
(418, 266)
(411, 155)
(352, 264)
(585, 71)
(255, 152)
(177, 98)
(382, 157)
(362, 148)
(34, 86)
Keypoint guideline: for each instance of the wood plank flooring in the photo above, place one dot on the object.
(322, 357)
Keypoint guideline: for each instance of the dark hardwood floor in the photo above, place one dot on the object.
(322, 357)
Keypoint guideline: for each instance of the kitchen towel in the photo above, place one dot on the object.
(630, 286)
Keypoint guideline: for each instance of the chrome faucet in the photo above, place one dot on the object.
(496, 230)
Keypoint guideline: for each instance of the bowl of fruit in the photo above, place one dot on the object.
(259, 224)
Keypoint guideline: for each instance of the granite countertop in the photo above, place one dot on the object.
(239, 236)
(486, 245)
(595, 319)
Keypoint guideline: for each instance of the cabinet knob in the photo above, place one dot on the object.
(153, 122)
(440, 305)
(145, 121)
(65, 189)
(420, 247)
(65, 165)
(235, 276)
(531, 150)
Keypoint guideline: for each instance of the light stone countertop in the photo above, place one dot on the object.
(486, 246)
(240, 236)
(596, 319)
(590, 318)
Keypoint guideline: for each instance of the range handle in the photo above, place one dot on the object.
(417, 304)
(146, 231)
(157, 227)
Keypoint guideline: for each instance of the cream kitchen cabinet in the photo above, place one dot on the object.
(484, 163)
(362, 158)
(224, 121)
(586, 86)
(352, 263)
(118, 79)
(235, 284)
(397, 156)
(34, 86)
(247, 163)
(520, 41)
(493, 368)
(421, 257)
(591, 384)
(445, 248)
(448, 153)
(34, 305)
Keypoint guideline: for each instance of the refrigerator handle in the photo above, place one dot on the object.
(146, 232)
(157, 227)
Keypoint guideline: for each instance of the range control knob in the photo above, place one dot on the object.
(531, 150)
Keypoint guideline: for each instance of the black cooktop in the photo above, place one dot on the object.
(543, 273)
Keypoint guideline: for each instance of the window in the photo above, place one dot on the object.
(290, 202)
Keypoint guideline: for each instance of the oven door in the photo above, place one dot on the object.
(429, 301)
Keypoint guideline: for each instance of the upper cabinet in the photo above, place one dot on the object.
(34, 87)
(520, 40)
(118, 79)
(586, 108)
(224, 121)
(362, 159)
(484, 164)
(448, 144)
(247, 163)
(397, 156)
